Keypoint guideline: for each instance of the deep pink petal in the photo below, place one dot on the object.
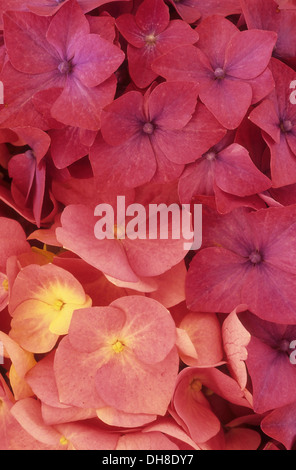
(29, 51)
(249, 53)
(228, 100)
(197, 178)
(283, 163)
(95, 60)
(187, 144)
(128, 165)
(215, 33)
(20, 89)
(130, 30)
(279, 424)
(152, 16)
(81, 106)
(235, 173)
(66, 146)
(212, 272)
(188, 10)
(269, 370)
(265, 116)
(66, 27)
(171, 105)
(123, 118)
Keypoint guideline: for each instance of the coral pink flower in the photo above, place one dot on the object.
(228, 65)
(191, 407)
(79, 64)
(112, 353)
(242, 251)
(42, 302)
(150, 34)
(203, 329)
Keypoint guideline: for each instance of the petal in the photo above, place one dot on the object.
(152, 15)
(81, 106)
(123, 384)
(105, 255)
(249, 53)
(129, 165)
(123, 118)
(187, 144)
(235, 173)
(213, 272)
(29, 51)
(149, 329)
(95, 60)
(171, 105)
(228, 100)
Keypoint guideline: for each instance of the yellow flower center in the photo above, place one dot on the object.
(64, 441)
(196, 385)
(5, 285)
(58, 304)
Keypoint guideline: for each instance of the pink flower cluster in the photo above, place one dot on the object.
(125, 344)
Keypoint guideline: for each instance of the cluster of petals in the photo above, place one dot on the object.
(140, 342)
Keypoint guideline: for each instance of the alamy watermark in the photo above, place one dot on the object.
(1, 93)
(292, 96)
(293, 353)
(153, 222)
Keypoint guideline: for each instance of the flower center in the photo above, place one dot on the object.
(210, 156)
(5, 285)
(148, 128)
(118, 347)
(219, 73)
(284, 345)
(286, 126)
(30, 154)
(150, 39)
(63, 441)
(58, 305)
(255, 257)
(65, 67)
(196, 385)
